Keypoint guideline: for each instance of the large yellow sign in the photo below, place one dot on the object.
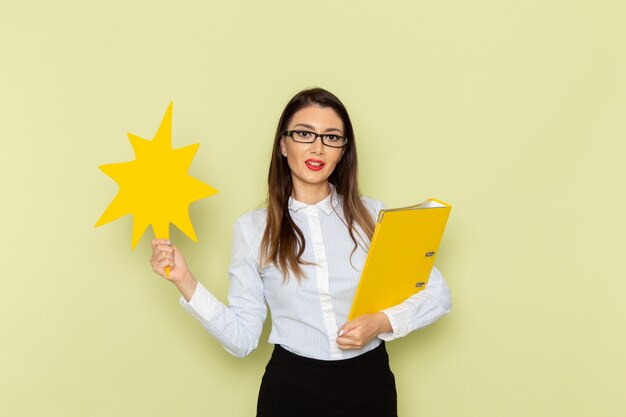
(156, 188)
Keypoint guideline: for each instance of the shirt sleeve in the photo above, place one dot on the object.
(420, 309)
(237, 326)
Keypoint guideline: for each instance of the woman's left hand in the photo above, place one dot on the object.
(356, 333)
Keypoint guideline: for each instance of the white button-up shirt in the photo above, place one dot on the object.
(307, 314)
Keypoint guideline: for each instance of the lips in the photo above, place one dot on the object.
(314, 164)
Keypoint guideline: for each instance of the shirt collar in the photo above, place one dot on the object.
(326, 205)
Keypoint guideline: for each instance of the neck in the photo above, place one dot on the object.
(310, 193)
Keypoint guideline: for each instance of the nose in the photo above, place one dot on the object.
(317, 146)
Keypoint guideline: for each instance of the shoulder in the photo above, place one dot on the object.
(374, 206)
(251, 225)
(253, 220)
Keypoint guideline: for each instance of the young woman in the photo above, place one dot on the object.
(302, 256)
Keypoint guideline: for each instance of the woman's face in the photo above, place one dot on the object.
(312, 163)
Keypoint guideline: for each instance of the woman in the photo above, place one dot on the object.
(302, 256)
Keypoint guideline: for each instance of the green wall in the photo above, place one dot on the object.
(511, 111)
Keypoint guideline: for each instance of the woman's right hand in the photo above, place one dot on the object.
(164, 255)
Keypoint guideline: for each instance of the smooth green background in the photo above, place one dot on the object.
(512, 111)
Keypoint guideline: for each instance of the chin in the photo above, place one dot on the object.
(313, 180)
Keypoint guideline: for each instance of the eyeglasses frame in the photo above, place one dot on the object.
(317, 135)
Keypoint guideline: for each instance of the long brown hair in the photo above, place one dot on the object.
(283, 242)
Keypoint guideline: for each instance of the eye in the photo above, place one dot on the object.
(332, 138)
(303, 134)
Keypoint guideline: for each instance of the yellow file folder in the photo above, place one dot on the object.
(402, 253)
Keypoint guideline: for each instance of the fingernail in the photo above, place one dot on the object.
(168, 242)
(340, 332)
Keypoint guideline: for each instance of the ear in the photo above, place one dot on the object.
(283, 147)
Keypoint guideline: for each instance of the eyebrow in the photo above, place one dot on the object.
(330, 129)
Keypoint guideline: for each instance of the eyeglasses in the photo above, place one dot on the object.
(305, 136)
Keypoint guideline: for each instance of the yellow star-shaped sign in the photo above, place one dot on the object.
(156, 188)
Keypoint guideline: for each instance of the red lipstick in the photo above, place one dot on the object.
(314, 164)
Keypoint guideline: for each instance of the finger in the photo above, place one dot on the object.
(348, 343)
(165, 255)
(156, 242)
(161, 255)
(157, 269)
(347, 327)
(357, 340)
(343, 343)
(161, 272)
(160, 252)
(345, 332)
(164, 248)
(352, 336)
(166, 263)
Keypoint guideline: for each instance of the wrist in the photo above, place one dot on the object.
(384, 325)
(187, 285)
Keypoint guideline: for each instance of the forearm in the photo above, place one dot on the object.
(187, 286)
(237, 327)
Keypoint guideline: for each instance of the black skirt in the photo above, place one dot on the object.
(295, 386)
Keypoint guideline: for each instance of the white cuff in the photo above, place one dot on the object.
(203, 305)
(399, 317)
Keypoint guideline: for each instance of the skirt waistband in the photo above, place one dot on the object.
(283, 356)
